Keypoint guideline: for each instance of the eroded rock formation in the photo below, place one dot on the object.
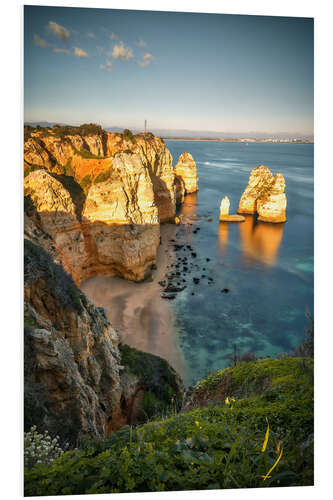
(264, 195)
(77, 381)
(224, 212)
(101, 198)
(187, 171)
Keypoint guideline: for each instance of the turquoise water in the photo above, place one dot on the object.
(267, 268)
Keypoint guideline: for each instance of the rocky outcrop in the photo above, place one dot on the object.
(76, 379)
(186, 169)
(272, 208)
(72, 380)
(224, 212)
(101, 198)
(264, 195)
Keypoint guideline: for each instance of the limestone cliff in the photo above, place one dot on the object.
(264, 195)
(73, 367)
(186, 169)
(101, 197)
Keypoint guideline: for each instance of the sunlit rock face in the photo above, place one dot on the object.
(186, 169)
(224, 207)
(101, 198)
(272, 208)
(264, 195)
(224, 212)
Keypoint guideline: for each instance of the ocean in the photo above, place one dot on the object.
(255, 287)
(267, 268)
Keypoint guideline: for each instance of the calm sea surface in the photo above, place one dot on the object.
(267, 268)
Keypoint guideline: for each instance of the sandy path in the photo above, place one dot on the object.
(144, 320)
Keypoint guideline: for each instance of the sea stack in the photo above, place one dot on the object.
(265, 196)
(224, 212)
(224, 207)
(186, 169)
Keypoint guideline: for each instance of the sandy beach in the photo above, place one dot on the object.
(143, 319)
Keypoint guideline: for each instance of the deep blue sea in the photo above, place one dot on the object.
(267, 268)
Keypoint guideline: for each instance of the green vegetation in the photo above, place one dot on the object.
(160, 382)
(264, 425)
(82, 130)
(31, 167)
(128, 136)
(102, 176)
(84, 153)
(85, 182)
(40, 448)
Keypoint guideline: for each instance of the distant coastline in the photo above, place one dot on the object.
(229, 139)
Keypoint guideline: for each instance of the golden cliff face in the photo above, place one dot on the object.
(102, 213)
(186, 169)
(264, 195)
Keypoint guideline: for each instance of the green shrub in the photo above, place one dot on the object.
(156, 376)
(85, 182)
(30, 167)
(128, 136)
(102, 176)
(40, 448)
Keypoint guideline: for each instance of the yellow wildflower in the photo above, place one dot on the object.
(197, 423)
(227, 402)
(266, 438)
(273, 466)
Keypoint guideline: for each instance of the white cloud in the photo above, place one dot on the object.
(61, 51)
(99, 50)
(40, 42)
(91, 35)
(147, 59)
(80, 52)
(122, 52)
(62, 33)
(105, 68)
(142, 44)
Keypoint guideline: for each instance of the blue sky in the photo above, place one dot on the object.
(211, 72)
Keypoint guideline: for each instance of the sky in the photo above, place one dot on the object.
(208, 72)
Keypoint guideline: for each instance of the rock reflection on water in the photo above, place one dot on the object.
(188, 210)
(260, 241)
(223, 236)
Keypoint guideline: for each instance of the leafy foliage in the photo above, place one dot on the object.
(82, 130)
(218, 446)
(159, 380)
(102, 176)
(40, 448)
(128, 136)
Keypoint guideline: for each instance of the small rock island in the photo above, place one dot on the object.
(265, 196)
(224, 212)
